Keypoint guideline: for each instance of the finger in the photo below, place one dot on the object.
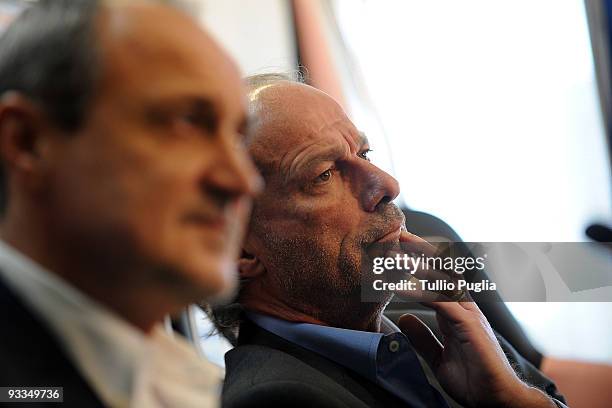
(422, 338)
(408, 236)
(441, 282)
(417, 242)
(419, 294)
(451, 311)
(415, 245)
(468, 303)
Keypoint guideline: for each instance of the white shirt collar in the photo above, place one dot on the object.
(122, 364)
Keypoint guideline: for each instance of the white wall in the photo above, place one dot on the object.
(258, 33)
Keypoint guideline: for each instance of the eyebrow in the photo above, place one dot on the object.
(363, 140)
(332, 153)
(204, 110)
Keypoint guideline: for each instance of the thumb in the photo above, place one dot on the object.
(422, 338)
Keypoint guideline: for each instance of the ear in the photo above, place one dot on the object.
(20, 124)
(249, 266)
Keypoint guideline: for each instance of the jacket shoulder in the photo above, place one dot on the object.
(32, 356)
(258, 375)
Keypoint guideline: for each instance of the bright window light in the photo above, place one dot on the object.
(492, 114)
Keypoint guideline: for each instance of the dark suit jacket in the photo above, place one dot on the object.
(31, 356)
(266, 370)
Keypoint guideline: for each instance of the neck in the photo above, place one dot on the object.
(142, 304)
(348, 312)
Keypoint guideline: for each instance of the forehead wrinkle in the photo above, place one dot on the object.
(355, 139)
(346, 130)
(327, 125)
(296, 160)
(332, 154)
(336, 150)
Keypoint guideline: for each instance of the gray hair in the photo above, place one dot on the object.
(49, 53)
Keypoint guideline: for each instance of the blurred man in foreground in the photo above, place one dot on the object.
(305, 337)
(126, 192)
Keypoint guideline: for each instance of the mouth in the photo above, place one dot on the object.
(213, 222)
(392, 235)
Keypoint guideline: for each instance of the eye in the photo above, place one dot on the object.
(364, 154)
(205, 121)
(325, 176)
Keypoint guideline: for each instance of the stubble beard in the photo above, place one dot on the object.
(321, 283)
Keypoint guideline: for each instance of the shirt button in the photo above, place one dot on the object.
(394, 346)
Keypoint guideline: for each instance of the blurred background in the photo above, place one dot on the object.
(494, 115)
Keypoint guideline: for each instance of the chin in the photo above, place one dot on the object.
(220, 282)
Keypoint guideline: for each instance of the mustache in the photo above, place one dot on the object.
(382, 220)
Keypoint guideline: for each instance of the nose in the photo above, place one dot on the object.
(380, 188)
(234, 175)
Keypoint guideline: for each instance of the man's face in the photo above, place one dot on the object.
(156, 180)
(324, 202)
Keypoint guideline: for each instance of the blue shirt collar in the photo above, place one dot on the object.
(354, 349)
(385, 359)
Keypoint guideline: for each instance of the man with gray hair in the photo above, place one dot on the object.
(303, 335)
(126, 191)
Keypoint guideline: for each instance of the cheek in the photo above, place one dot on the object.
(158, 201)
(132, 187)
(336, 221)
(295, 235)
